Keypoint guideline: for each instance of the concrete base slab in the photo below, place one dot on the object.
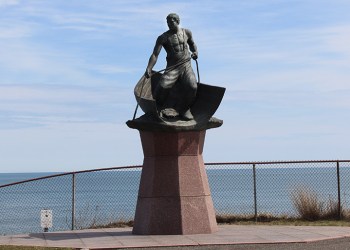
(114, 238)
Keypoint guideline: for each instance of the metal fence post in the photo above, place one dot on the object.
(255, 200)
(339, 198)
(73, 201)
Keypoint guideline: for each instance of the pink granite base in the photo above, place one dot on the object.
(174, 195)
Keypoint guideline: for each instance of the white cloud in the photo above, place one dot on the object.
(56, 94)
(43, 65)
(13, 31)
(68, 147)
(292, 45)
(38, 108)
(5, 3)
(87, 22)
(113, 69)
(29, 105)
(251, 138)
(306, 60)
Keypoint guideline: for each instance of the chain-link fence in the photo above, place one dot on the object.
(273, 188)
(100, 197)
(77, 200)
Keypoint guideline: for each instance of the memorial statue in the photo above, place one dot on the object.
(175, 100)
(178, 111)
(176, 42)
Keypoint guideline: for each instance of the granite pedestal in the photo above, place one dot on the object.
(174, 194)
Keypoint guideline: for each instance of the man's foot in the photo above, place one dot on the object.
(187, 116)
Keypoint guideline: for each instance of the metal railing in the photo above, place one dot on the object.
(267, 188)
(99, 197)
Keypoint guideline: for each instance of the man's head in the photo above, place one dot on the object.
(173, 21)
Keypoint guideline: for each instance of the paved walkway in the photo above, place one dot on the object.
(113, 238)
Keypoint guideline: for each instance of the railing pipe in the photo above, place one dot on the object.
(255, 198)
(73, 201)
(70, 173)
(339, 197)
(271, 162)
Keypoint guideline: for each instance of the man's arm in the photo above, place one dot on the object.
(154, 57)
(191, 44)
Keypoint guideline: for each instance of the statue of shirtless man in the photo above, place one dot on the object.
(176, 42)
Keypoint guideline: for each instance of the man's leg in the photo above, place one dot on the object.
(166, 82)
(189, 91)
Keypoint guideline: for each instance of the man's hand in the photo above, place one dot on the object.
(194, 55)
(148, 73)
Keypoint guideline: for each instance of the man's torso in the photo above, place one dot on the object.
(175, 44)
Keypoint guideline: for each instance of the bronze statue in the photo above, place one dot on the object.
(174, 100)
(176, 42)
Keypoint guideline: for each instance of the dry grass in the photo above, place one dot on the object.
(268, 219)
(114, 224)
(309, 206)
(247, 219)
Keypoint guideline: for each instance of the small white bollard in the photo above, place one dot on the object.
(46, 219)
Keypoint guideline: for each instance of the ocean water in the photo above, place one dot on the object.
(107, 196)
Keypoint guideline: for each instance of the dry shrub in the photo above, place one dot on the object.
(331, 211)
(307, 203)
(311, 208)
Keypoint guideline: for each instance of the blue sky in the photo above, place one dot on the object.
(68, 69)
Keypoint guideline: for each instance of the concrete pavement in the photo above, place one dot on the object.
(114, 238)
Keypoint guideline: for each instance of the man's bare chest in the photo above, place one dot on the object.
(177, 39)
